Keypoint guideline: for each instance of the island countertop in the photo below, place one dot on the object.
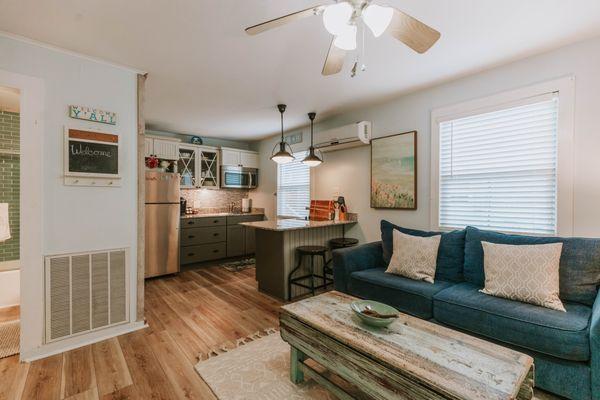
(281, 224)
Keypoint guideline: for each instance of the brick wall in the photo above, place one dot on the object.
(9, 181)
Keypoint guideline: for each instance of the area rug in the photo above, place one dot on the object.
(258, 370)
(236, 266)
(9, 338)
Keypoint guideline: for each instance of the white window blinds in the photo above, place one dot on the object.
(498, 169)
(293, 188)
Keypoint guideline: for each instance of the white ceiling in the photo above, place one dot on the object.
(207, 77)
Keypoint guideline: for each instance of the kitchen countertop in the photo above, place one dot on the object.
(221, 214)
(294, 224)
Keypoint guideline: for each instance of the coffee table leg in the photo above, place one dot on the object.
(296, 358)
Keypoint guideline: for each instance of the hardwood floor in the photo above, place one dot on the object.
(188, 314)
(9, 313)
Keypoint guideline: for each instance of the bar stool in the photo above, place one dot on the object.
(337, 243)
(312, 252)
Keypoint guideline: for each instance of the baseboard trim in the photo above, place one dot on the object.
(54, 348)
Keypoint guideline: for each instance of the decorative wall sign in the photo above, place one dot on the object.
(91, 158)
(93, 114)
(394, 171)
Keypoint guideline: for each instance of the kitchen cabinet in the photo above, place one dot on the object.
(249, 159)
(236, 241)
(239, 158)
(250, 239)
(202, 239)
(198, 166)
(212, 238)
(242, 237)
(166, 149)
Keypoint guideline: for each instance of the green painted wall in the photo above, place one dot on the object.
(9, 181)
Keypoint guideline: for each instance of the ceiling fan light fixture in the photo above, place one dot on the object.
(377, 18)
(337, 16)
(346, 40)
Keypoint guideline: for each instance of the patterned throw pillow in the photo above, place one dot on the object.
(527, 273)
(414, 257)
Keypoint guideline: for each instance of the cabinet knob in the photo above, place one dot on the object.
(215, 234)
(191, 254)
(216, 221)
(215, 251)
(191, 236)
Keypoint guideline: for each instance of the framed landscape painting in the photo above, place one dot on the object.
(394, 171)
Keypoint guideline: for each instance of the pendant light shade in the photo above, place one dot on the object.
(312, 159)
(282, 156)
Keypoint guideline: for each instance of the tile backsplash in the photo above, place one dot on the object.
(211, 198)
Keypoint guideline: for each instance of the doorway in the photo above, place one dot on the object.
(10, 224)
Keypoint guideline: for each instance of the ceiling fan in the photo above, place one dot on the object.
(342, 19)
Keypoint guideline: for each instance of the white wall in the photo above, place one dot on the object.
(73, 219)
(350, 169)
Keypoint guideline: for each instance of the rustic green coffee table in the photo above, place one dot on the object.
(411, 359)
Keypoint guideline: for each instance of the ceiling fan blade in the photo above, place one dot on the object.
(412, 32)
(277, 22)
(334, 61)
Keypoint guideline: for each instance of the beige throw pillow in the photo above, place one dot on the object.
(527, 273)
(414, 257)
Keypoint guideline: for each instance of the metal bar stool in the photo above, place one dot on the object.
(338, 243)
(312, 252)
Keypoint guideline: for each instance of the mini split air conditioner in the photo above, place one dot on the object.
(345, 137)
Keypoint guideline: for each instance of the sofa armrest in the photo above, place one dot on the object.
(595, 348)
(352, 259)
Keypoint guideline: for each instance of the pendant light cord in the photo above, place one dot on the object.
(281, 126)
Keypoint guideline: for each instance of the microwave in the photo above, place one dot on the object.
(239, 177)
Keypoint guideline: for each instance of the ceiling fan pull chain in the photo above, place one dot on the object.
(363, 67)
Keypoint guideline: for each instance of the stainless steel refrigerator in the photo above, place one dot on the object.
(162, 223)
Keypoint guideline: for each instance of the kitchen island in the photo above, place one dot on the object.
(276, 243)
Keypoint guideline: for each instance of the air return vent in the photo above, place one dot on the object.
(85, 292)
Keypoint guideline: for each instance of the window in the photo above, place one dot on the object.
(498, 167)
(293, 188)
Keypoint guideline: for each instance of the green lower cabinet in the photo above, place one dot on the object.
(212, 238)
(250, 234)
(236, 240)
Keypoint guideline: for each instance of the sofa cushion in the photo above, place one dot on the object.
(560, 334)
(414, 257)
(407, 295)
(579, 261)
(451, 252)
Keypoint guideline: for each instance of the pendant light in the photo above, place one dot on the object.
(282, 156)
(312, 159)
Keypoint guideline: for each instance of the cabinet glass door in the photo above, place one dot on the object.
(186, 166)
(209, 169)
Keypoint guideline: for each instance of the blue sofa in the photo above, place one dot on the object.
(565, 345)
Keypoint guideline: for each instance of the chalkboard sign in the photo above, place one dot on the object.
(91, 153)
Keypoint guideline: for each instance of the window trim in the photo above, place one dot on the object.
(566, 113)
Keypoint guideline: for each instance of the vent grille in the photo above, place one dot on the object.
(85, 292)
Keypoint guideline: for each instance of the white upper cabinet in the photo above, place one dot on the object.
(230, 157)
(167, 149)
(239, 158)
(249, 159)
